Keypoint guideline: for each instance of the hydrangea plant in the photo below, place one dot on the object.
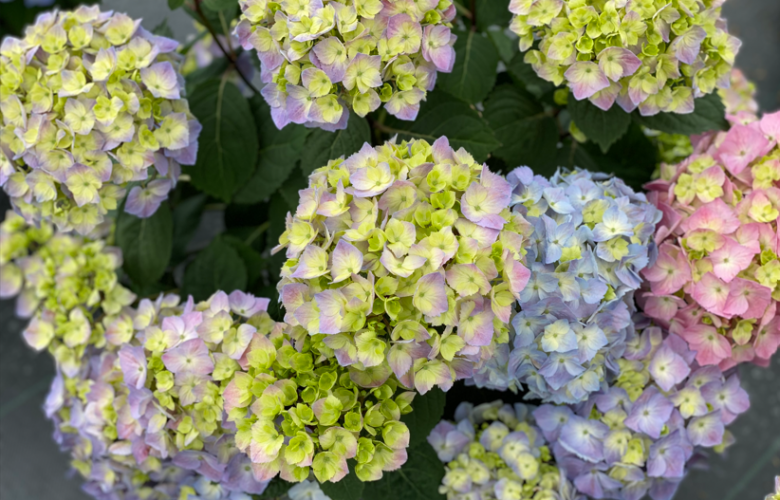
(495, 452)
(321, 58)
(591, 237)
(404, 259)
(90, 101)
(637, 436)
(652, 55)
(716, 282)
(776, 494)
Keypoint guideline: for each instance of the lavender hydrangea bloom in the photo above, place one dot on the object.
(648, 433)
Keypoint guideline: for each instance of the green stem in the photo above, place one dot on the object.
(228, 55)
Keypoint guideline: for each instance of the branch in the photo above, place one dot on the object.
(473, 15)
(230, 57)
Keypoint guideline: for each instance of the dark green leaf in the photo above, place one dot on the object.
(295, 183)
(219, 19)
(632, 158)
(276, 488)
(279, 153)
(323, 146)
(506, 47)
(253, 261)
(474, 73)
(525, 75)
(199, 76)
(602, 127)
(492, 13)
(349, 488)
(219, 4)
(175, 4)
(186, 217)
(146, 243)
(218, 267)
(418, 479)
(528, 134)
(228, 143)
(426, 412)
(443, 115)
(163, 29)
(709, 114)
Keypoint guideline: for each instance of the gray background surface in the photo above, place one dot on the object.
(32, 468)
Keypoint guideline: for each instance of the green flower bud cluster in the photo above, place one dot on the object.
(652, 54)
(296, 410)
(89, 102)
(493, 452)
(404, 258)
(65, 283)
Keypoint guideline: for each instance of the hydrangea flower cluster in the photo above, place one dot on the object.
(739, 100)
(494, 452)
(144, 415)
(637, 437)
(89, 410)
(90, 101)
(298, 411)
(404, 259)
(716, 282)
(591, 236)
(64, 283)
(321, 58)
(657, 56)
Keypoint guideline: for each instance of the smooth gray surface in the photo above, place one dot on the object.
(31, 467)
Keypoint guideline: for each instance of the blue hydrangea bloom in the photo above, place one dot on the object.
(588, 237)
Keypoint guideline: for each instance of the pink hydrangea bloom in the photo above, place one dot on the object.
(716, 281)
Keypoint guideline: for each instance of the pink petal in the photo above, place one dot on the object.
(585, 79)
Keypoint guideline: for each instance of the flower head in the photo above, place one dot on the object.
(320, 60)
(404, 259)
(105, 104)
(715, 282)
(635, 54)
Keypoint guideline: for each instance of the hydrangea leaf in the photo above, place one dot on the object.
(443, 115)
(218, 267)
(708, 114)
(528, 134)
(253, 261)
(186, 217)
(323, 146)
(426, 413)
(474, 73)
(492, 13)
(602, 127)
(279, 153)
(146, 244)
(228, 143)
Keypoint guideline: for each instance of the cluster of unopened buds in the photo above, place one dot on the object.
(590, 237)
(657, 56)
(495, 452)
(716, 282)
(90, 102)
(321, 58)
(404, 259)
(62, 281)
